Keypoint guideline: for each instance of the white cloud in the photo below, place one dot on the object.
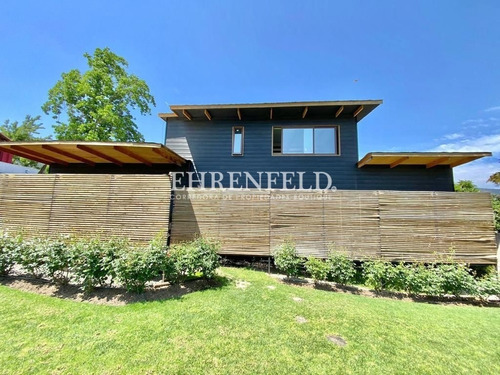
(453, 136)
(489, 143)
(492, 109)
(478, 171)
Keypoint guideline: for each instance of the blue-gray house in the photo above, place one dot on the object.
(296, 145)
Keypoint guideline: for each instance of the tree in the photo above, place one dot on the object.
(495, 178)
(28, 130)
(466, 186)
(96, 105)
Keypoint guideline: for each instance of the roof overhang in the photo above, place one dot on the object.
(427, 159)
(4, 138)
(357, 109)
(92, 153)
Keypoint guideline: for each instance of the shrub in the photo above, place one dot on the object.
(93, 261)
(488, 286)
(135, 267)
(31, 256)
(57, 259)
(455, 279)
(340, 268)
(287, 259)
(189, 258)
(317, 268)
(8, 252)
(206, 256)
(377, 274)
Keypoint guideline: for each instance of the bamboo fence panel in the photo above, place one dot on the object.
(133, 206)
(393, 225)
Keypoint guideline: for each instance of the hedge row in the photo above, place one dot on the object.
(415, 278)
(93, 262)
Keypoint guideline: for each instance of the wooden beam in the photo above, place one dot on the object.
(39, 155)
(133, 155)
(271, 114)
(187, 115)
(460, 161)
(239, 113)
(164, 154)
(436, 162)
(99, 154)
(26, 156)
(209, 116)
(68, 155)
(364, 161)
(398, 161)
(304, 113)
(358, 111)
(339, 111)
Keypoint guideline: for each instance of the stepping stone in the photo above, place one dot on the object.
(297, 299)
(272, 287)
(240, 284)
(300, 319)
(337, 340)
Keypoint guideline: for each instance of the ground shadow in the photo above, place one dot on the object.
(114, 296)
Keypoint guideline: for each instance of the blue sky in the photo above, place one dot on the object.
(436, 64)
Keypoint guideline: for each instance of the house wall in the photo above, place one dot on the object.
(208, 144)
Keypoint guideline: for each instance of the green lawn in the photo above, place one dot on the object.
(246, 331)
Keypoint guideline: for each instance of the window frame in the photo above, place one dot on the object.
(242, 140)
(337, 140)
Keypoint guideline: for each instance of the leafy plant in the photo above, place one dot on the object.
(93, 261)
(455, 279)
(135, 267)
(340, 268)
(317, 268)
(377, 274)
(287, 259)
(8, 252)
(207, 256)
(31, 255)
(488, 286)
(57, 259)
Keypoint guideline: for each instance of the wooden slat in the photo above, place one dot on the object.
(36, 155)
(68, 155)
(134, 206)
(133, 155)
(397, 226)
(90, 150)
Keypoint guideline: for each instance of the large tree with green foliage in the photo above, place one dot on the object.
(495, 178)
(97, 105)
(28, 130)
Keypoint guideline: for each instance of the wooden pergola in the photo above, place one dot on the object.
(92, 153)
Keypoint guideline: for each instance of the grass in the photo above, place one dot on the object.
(246, 331)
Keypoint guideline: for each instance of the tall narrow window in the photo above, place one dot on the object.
(238, 139)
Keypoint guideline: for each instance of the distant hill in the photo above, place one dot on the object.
(491, 191)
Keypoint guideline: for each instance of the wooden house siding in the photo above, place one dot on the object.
(208, 145)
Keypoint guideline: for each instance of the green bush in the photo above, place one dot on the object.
(287, 259)
(488, 286)
(8, 253)
(317, 268)
(57, 259)
(207, 256)
(93, 261)
(455, 279)
(191, 258)
(135, 267)
(378, 274)
(31, 256)
(340, 268)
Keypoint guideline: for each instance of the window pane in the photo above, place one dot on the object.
(277, 141)
(238, 141)
(297, 141)
(325, 141)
